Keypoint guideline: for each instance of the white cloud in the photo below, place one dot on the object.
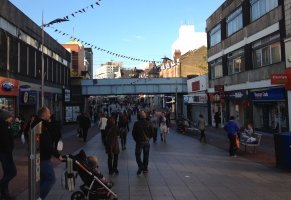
(189, 39)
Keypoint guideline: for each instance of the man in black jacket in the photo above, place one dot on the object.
(47, 150)
(6, 157)
(142, 132)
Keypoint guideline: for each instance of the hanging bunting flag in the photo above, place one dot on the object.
(92, 6)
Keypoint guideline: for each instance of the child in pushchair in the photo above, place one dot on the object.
(95, 186)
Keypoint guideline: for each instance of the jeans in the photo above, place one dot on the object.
(145, 147)
(202, 136)
(47, 177)
(85, 132)
(232, 144)
(112, 166)
(9, 171)
(123, 141)
(155, 134)
(103, 137)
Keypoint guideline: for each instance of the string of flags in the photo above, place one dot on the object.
(102, 49)
(81, 11)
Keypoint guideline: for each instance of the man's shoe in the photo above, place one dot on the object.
(139, 171)
(145, 171)
(116, 171)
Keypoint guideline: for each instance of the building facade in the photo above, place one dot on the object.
(191, 63)
(245, 48)
(109, 70)
(21, 65)
(89, 62)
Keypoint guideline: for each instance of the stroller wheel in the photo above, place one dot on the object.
(78, 195)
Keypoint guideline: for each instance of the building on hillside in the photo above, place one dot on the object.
(78, 57)
(109, 70)
(245, 48)
(21, 65)
(191, 63)
(88, 63)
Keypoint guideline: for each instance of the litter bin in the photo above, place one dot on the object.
(283, 150)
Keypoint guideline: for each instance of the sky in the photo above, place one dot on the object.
(144, 29)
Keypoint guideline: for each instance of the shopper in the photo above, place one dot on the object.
(142, 132)
(112, 146)
(102, 126)
(47, 150)
(232, 129)
(85, 124)
(123, 128)
(201, 127)
(155, 123)
(6, 157)
(54, 128)
(164, 129)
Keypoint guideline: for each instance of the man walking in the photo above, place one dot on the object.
(232, 129)
(142, 132)
(47, 150)
(6, 157)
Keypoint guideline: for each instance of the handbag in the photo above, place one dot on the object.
(60, 145)
(237, 142)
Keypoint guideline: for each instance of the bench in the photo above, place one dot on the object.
(254, 145)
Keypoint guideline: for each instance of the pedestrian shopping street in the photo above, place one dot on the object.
(183, 168)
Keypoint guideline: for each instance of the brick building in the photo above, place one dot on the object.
(245, 47)
(191, 63)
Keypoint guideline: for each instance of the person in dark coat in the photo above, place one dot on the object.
(6, 157)
(232, 129)
(142, 132)
(112, 146)
(54, 128)
(47, 150)
(123, 128)
(85, 124)
(217, 119)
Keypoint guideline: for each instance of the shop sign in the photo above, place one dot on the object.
(198, 98)
(8, 87)
(186, 99)
(279, 79)
(288, 84)
(219, 88)
(240, 94)
(67, 95)
(271, 94)
(28, 98)
(195, 86)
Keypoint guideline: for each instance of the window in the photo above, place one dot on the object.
(261, 7)
(215, 35)
(236, 62)
(234, 22)
(216, 69)
(267, 51)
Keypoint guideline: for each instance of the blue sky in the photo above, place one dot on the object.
(143, 29)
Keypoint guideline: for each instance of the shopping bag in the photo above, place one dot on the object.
(237, 142)
(60, 145)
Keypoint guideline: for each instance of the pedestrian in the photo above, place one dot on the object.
(142, 132)
(85, 124)
(164, 129)
(232, 129)
(123, 128)
(79, 130)
(102, 126)
(155, 123)
(54, 128)
(217, 119)
(6, 156)
(47, 150)
(201, 127)
(112, 145)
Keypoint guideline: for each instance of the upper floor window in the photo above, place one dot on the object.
(267, 51)
(261, 7)
(215, 35)
(236, 61)
(216, 68)
(234, 22)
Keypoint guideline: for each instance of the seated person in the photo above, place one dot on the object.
(248, 135)
(92, 162)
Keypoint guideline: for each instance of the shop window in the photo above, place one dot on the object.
(3, 50)
(216, 69)
(234, 21)
(236, 62)
(31, 61)
(13, 54)
(215, 35)
(23, 58)
(261, 7)
(7, 103)
(267, 51)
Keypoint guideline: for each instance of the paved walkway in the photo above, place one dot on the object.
(185, 169)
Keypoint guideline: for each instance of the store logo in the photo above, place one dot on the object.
(7, 86)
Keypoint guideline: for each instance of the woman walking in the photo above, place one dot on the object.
(201, 127)
(112, 146)
(164, 129)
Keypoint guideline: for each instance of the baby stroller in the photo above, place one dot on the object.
(93, 187)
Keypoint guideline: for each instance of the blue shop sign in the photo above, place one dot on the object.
(28, 98)
(270, 94)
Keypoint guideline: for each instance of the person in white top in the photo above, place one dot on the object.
(164, 128)
(102, 126)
